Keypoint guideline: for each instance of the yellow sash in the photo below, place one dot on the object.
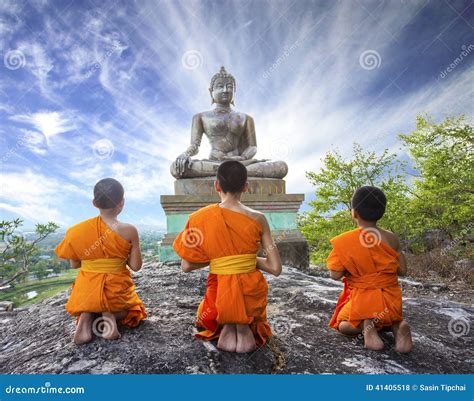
(235, 264)
(110, 265)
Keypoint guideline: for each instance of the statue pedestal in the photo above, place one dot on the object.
(265, 194)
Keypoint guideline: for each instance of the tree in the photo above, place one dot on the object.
(443, 188)
(40, 269)
(336, 182)
(17, 250)
(56, 265)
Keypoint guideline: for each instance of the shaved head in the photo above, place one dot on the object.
(232, 176)
(108, 193)
(369, 202)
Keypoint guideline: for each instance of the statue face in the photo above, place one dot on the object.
(223, 91)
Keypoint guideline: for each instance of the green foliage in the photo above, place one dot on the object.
(40, 269)
(439, 196)
(336, 182)
(17, 251)
(443, 156)
(45, 288)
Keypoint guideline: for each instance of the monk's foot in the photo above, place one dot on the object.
(403, 340)
(228, 338)
(83, 334)
(106, 327)
(348, 329)
(245, 339)
(372, 339)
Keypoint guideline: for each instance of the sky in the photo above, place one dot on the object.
(93, 89)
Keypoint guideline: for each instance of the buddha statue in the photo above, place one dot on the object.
(231, 135)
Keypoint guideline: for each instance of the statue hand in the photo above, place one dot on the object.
(238, 158)
(217, 155)
(181, 162)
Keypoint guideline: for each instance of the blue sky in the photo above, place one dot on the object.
(91, 89)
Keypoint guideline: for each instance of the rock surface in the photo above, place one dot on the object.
(37, 339)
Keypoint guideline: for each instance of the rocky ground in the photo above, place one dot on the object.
(38, 339)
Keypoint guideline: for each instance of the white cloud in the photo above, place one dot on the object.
(141, 181)
(39, 63)
(317, 96)
(36, 197)
(49, 123)
(34, 141)
(301, 111)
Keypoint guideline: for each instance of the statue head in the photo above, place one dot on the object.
(222, 87)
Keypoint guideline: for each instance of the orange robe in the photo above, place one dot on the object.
(214, 232)
(371, 289)
(97, 292)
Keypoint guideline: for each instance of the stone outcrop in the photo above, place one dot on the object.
(37, 339)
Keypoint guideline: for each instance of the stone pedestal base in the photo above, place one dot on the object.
(205, 186)
(279, 208)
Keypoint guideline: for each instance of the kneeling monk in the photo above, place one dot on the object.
(103, 247)
(226, 237)
(368, 260)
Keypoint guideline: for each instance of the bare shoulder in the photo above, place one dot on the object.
(127, 231)
(390, 238)
(257, 215)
